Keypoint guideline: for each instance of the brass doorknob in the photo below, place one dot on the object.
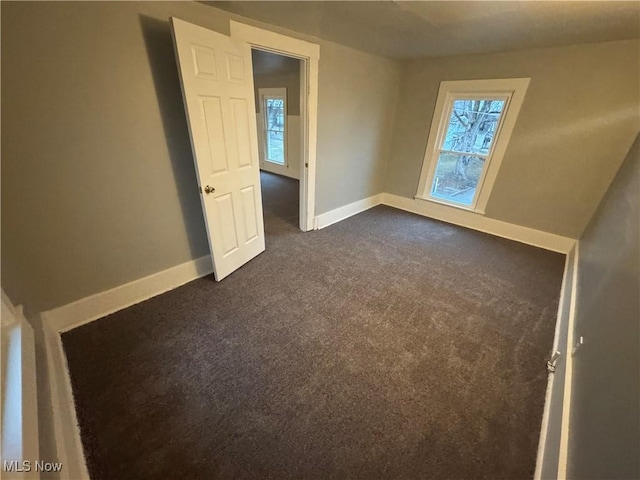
(209, 189)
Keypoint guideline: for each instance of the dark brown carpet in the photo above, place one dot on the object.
(280, 198)
(385, 346)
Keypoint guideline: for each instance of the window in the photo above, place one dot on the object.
(273, 105)
(471, 126)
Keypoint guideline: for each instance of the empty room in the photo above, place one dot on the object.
(313, 240)
(277, 87)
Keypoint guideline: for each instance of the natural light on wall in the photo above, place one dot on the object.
(470, 130)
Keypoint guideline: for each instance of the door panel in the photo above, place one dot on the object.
(228, 230)
(204, 61)
(251, 220)
(243, 133)
(236, 68)
(214, 126)
(217, 88)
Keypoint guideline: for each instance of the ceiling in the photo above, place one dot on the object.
(417, 29)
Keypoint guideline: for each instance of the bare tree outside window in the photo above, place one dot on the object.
(467, 143)
(275, 129)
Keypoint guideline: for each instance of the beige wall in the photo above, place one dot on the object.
(98, 184)
(358, 94)
(578, 120)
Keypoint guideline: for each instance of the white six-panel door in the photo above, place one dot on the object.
(217, 87)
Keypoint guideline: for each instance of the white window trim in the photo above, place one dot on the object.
(512, 88)
(273, 93)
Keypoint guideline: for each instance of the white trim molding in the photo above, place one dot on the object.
(104, 303)
(563, 455)
(276, 42)
(509, 90)
(19, 389)
(341, 213)
(309, 53)
(295, 166)
(279, 93)
(62, 319)
(463, 218)
(65, 422)
(551, 453)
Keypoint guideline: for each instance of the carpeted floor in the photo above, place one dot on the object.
(386, 346)
(280, 198)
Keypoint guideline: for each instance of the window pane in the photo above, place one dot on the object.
(274, 116)
(472, 125)
(275, 146)
(456, 177)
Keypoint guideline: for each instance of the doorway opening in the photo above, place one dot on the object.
(307, 55)
(277, 90)
(217, 85)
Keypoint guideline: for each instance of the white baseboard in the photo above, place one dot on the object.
(58, 320)
(334, 216)
(537, 238)
(563, 455)
(551, 453)
(65, 421)
(104, 303)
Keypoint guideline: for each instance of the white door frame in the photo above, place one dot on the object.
(309, 54)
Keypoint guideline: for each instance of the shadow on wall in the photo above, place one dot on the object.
(159, 44)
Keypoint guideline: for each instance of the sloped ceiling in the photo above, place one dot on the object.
(417, 29)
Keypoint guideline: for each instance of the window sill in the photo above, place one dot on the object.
(447, 204)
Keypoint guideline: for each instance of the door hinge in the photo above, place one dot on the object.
(306, 164)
